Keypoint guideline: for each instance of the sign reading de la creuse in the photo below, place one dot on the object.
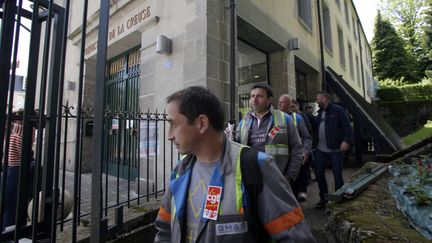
(123, 27)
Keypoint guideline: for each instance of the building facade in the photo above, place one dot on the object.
(277, 42)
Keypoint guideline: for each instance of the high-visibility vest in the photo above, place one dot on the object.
(277, 147)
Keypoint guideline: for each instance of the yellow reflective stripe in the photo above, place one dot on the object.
(282, 118)
(243, 132)
(279, 115)
(174, 209)
(295, 119)
(275, 117)
(277, 149)
(238, 180)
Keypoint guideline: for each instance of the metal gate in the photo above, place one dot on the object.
(113, 128)
(122, 91)
(44, 79)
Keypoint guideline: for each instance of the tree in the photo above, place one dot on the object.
(390, 58)
(408, 17)
(426, 41)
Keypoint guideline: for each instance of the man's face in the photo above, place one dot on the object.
(284, 104)
(185, 136)
(321, 100)
(295, 108)
(259, 100)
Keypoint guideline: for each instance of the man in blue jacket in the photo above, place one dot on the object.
(333, 139)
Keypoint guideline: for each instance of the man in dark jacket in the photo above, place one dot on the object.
(332, 139)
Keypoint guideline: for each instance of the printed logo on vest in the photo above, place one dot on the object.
(274, 132)
(231, 228)
(213, 199)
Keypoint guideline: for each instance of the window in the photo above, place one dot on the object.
(341, 47)
(252, 64)
(358, 71)
(368, 58)
(252, 68)
(327, 28)
(347, 14)
(354, 28)
(304, 12)
(301, 84)
(350, 53)
(19, 83)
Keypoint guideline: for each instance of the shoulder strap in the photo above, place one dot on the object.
(183, 161)
(253, 183)
(250, 170)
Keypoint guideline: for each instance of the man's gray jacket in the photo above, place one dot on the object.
(278, 210)
(284, 145)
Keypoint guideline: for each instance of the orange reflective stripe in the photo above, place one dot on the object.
(241, 211)
(164, 215)
(284, 222)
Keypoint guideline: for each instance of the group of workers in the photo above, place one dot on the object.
(246, 185)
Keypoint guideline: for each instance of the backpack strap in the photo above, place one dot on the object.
(253, 183)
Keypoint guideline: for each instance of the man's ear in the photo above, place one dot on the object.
(202, 123)
(270, 99)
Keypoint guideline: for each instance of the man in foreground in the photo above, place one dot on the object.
(206, 200)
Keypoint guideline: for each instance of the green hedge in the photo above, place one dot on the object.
(406, 116)
(405, 93)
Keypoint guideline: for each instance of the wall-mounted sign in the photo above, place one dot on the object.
(124, 26)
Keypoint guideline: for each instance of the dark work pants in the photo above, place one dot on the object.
(10, 201)
(301, 182)
(336, 160)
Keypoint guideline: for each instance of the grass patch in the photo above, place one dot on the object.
(424, 132)
(375, 210)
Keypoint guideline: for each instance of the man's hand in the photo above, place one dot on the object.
(229, 132)
(305, 159)
(344, 146)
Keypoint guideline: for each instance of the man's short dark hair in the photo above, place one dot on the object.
(264, 86)
(295, 102)
(324, 93)
(196, 100)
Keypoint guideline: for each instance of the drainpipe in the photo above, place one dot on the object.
(232, 60)
(323, 76)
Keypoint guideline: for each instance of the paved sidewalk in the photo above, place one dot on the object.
(124, 190)
(317, 217)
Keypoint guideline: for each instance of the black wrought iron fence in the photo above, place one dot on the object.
(70, 158)
(147, 151)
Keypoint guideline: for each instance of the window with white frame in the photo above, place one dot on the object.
(341, 46)
(351, 61)
(358, 71)
(354, 27)
(327, 28)
(304, 12)
(347, 13)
